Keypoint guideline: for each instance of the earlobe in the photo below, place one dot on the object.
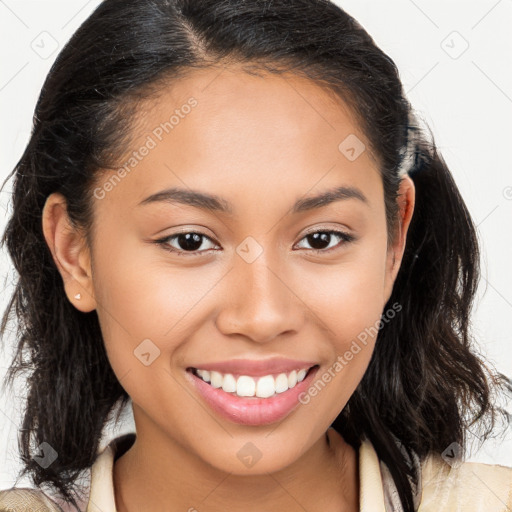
(70, 253)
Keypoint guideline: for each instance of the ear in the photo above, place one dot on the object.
(406, 200)
(70, 252)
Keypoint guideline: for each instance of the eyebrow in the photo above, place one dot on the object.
(215, 203)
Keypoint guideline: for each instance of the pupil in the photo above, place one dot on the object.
(189, 241)
(316, 240)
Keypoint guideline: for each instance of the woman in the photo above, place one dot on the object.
(229, 217)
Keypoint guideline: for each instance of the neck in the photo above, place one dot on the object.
(157, 471)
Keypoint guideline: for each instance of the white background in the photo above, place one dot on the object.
(465, 96)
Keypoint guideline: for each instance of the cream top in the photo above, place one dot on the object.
(468, 487)
(442, 487)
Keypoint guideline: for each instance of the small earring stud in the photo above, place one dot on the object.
(78, 296)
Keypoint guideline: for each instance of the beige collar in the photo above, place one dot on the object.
(374, 485)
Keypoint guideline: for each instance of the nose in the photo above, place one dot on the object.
(260, 302)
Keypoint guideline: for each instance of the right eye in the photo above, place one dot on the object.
(190, 242)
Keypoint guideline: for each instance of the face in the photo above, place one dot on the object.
(257, 281)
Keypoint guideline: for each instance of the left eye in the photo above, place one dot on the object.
(190, 242)
(320, 237)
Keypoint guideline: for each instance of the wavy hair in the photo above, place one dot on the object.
(425, 384)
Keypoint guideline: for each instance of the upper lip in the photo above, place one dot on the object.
(256, 367)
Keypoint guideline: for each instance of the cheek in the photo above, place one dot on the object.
(350, 354)
(132, 300)
(141, 296)
(349, 296)
(349, 301)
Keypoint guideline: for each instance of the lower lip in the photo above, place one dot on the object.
(252, 411)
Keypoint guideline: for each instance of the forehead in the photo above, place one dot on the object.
(221, 127)
(285, 105)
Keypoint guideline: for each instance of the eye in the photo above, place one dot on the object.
(318, 239)
(188, 243)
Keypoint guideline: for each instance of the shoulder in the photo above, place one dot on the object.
(464, 486)
(100, 485)
(19, 498)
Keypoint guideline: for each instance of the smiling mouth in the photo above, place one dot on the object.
(247, 386)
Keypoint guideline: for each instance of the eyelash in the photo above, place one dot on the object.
(164, 242)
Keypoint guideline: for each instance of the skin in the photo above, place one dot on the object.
(261, 144)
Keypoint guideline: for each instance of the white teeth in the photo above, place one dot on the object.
(265, 387)
(217, 379)
(204, 374)
(292, 379)
(262, 387)
(229, 383)
(245, 386)
(281, 383)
